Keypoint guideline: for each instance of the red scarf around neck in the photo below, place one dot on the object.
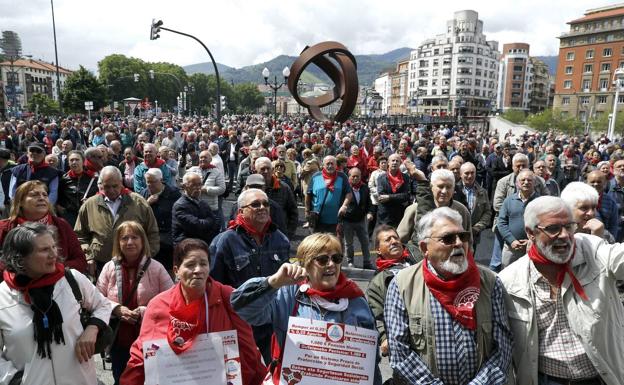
(345, 288)
(91, 167)
(330, 179)
(538, 258)
(46, 220)
(459, 295)
(210, 165)
(157, 163)
(242, 222)
(395, 181)
(36, 167)
(357, 186)
(128, 332)
(275, 182)
(46, 280)
(383, 264)
(87, 172)
(186, 321)
(124, 191)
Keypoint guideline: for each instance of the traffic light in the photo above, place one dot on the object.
(155, 29)
(136, 78)
(223, 103)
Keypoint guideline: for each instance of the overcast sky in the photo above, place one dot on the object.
(241, 33)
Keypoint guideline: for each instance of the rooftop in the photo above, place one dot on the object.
(601, 13)
(36, 64)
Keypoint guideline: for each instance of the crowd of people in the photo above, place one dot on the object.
(133, 210)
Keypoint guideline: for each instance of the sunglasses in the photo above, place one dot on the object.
(553, 231)
(323, 260)
(449, 239)
(258, 204)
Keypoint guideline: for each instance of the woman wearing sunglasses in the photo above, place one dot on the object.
(315, 288)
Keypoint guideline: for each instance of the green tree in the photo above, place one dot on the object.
(541, 121)
(601, 123)
(82, 86)
(42, 104)
(205, 94)
(554, 119)
(514, 116)
(247, 97)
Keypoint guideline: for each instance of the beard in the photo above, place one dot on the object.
(549, 252)
(451, 266)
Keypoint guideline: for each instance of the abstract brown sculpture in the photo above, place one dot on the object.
(344, 77)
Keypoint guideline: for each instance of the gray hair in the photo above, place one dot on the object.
(576, 192)
(107, 171)
(263, 159)
(155, 172)
(543, 205)
(442, 174)
(439, 158)
(187, 175)
(519, 157)
(241, 198)
(426, 223)
(90, 152)
(19, 243)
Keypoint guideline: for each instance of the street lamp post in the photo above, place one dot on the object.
(275, 85)
(618, 82)
(155, 28)
(58, 75)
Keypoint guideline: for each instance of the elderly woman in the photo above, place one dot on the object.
(43, 340)
(130, 280)
(187, 302)
(76, 186)
(128, 165)
(31, 204)
(583, 201)
(316, 289)
(279, 169)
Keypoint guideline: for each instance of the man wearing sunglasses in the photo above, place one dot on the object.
(445, 317)
(563, 302)
(35, 169)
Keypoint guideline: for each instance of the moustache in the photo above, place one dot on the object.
(458, 253)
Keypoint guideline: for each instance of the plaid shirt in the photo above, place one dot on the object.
(561, 353)
(456, 352)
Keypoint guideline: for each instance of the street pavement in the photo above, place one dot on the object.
(360, 276)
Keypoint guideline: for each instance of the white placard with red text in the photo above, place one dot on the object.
(321, 353)
(213, 359)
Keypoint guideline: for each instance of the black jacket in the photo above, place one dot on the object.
(286, 199)
(193, 219)
(224, 151)
(72, 191)
(163, 211)
(391, 212)
(356, 212)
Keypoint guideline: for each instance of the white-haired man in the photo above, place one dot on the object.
(101, 214)
(563, 302)
(445, 317)
(150, 160)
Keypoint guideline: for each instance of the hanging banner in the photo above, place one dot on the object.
(320, 353)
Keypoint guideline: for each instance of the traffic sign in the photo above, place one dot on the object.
(89, 106)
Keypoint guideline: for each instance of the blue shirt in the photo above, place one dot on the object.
(331, 205)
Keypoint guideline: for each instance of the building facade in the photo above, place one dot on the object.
(23, 78)
(398, 89)
(589, 54)
(515, 78)
(383, 86)
(455, 73)
(543, 82)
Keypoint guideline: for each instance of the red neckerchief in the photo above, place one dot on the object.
(186, 321)
(73, 175)
(242, 222)
(275, 182)
(210, 165)
(36, 167)
(133, 161)
(537, 258)
(127, 332)
(546, 176)
(157, 163)
(330, 179)
(124, 191)
(353, 161)
(395, 181)
(46, 220)
(356, 186)
(569, 154)
(46, 280)
(599, 205)
(345, 288)
(459, 295)
(383, 264)
(91, 167)
(372, 164)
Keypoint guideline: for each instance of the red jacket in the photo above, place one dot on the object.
(221, 318)
(67, 243)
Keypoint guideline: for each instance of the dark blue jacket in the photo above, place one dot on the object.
(163, 211)
(391, 212)
(237, 256)
(193, 219)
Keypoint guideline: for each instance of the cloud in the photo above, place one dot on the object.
(240, 32)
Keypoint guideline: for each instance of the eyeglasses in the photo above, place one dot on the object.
(323, 260)
(257, 204)
(553, 231)
(449, 239)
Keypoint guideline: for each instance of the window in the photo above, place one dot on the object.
(588, 68)
(570, 56)
(584, 100)
(586, 85)
(568, 70)
(567, 84)
(436, 51)
(565, 100)
(620, 99)
(607, 52)
(518, 68)
(589, 54)
(602, 99)
(516, 85)
(605, 67)
(591, 39)
(478, 82)
(604, 84)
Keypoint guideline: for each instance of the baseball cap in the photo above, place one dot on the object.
(36, 145)
(255, 180)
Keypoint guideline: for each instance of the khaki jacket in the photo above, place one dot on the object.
(96, 226)
(599, 322)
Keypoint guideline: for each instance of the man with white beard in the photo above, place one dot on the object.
(445, 317)
(563, 302)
